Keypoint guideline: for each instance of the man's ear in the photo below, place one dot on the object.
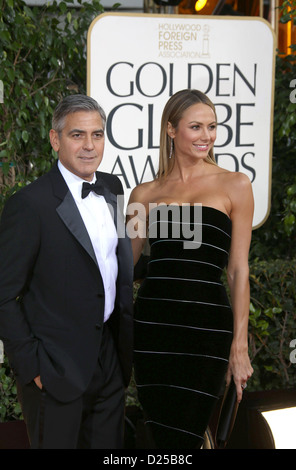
(54, 139)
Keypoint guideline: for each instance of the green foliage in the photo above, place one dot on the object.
(272, 323)
(276, 238)
(132, 395)
(9, 406)
(272, 279)
(288, 11)
(42, 58)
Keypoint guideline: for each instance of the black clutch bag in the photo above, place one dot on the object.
(227, 415)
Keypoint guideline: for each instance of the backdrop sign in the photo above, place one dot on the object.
(136, 62)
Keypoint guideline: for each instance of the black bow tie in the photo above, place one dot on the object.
(97, 187)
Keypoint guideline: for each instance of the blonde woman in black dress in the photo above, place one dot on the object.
(188, 336)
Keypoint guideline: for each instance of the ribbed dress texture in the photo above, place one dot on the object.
(183, 325)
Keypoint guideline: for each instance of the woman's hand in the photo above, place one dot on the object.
(240, 368)
(38, 382)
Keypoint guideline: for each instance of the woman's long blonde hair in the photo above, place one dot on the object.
(173, 112)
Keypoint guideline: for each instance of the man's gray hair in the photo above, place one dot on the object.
(72, 104)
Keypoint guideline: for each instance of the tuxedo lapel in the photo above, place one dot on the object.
(71, 217)
(69, 213)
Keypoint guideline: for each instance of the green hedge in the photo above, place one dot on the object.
(9, 406)
(42, 59)
(272, 324)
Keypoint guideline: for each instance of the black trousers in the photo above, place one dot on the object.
(94, 421)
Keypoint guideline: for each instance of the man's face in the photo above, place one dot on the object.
(80, 145)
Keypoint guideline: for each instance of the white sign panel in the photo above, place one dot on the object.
(136, 62)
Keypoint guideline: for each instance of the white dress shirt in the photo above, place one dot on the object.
(102, 232)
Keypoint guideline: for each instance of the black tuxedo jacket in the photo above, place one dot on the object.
(51, 290)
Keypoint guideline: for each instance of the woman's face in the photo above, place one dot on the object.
(196, 132)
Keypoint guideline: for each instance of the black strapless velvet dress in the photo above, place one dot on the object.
(183, 327)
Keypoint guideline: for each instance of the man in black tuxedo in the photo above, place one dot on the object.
(66, 290)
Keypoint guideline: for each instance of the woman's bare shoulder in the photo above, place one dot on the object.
(240, 193)
(143, 192)
(235, 180)
(240, 183)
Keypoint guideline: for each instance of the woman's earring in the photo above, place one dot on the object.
(172, 148)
